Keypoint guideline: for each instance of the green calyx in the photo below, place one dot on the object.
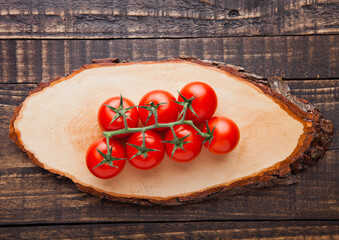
(178, 143)
(142, 150)
(108, 158)
(208, 135)
(187, 104)
(153, 110)
(120, 111)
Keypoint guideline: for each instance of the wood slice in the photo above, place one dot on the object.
(280, 134)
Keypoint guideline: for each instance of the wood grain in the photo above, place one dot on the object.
(162, 19)
(290, 57)
(14, 94)
(50, 199)
(193, 230)
(265, 37)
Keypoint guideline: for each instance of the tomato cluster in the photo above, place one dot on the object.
(178, 127)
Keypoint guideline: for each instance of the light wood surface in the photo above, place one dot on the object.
(58, 133)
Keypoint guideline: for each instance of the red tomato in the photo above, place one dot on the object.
(93, 158)
(226, 135)
(106, 115)
(166, 112)
(192, 148)
(152, 141)
(205, 103)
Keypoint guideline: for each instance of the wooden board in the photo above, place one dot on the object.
(48, 199)
(193, 230)
(290, 57)
(158, 19)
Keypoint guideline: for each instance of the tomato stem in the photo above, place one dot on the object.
(125, 121)
(184, 111)
(107, 142)
(109, 134)
(143, 145)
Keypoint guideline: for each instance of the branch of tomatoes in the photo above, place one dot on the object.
(158, 111)
(170, 125)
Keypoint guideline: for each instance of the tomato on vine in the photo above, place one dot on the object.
(146, 157)
(158, 103)
(102, 163)
(203, 101)
(158, 110)
(187, 144)
(225, 137)
(111, 112)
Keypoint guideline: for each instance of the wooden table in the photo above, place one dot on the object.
(294, 39)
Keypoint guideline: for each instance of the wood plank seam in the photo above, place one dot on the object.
(193, 18)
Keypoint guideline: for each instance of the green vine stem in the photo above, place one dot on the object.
(110, 134)
(142, 150)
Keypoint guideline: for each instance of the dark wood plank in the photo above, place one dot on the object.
(301, 57)
(316, 91)
(14, 94)
(29, 194)
(190, 230)
(159, 19)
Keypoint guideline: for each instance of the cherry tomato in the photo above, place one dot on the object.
(106, 115)
(93, 158)
(226, 135)
(205, 103)
(152, 141)
(192, 148)
(166, 112)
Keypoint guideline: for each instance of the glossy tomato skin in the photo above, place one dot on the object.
(153, 141)
(105, 115)
(204, 104)
(225, 137)
(192, 149)
(166, 113)
(93, 158)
